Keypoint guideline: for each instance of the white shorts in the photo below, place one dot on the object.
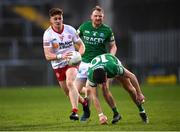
(82, 71)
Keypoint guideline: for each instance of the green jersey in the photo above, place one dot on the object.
(95, 40)
(109, 63)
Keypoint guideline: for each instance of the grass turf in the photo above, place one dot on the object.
(47, 108)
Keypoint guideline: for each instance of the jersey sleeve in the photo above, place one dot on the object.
(47, 39)
(79, 31)
(111, 36)
(120, 68)
(75, 35)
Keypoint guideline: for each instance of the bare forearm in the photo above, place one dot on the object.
(50, 57)
(97, 105)
(80, 46)
(113, 48)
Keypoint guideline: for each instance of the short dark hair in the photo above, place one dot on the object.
(98, 8)
(99, 75)
(55, 11)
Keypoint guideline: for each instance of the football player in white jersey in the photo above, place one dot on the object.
(58, 42)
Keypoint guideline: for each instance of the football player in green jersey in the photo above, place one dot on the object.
(96, 37)
(107, 66)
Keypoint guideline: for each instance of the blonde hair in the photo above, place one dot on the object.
(98, 8)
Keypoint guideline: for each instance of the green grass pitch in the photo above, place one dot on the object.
(48, 109)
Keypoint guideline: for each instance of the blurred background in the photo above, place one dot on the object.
(147, 34)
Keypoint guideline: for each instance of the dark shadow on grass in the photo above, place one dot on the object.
(31, 127)
(68, 125)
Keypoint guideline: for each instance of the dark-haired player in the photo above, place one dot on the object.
(107, 66)
(59, 40)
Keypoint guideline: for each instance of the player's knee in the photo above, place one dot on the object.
(69, 84)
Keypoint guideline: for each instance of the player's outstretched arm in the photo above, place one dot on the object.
(135, 83)
(102, 117)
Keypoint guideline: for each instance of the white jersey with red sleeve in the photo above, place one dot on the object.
(60, 43)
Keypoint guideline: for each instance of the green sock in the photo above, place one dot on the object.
(115, 111)
(141, 109)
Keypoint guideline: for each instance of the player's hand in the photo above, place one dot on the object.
(67, 56)
(103, 120)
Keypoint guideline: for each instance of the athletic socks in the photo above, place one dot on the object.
(74, 110)
(115, 111)
(85, 103)
(141, 109)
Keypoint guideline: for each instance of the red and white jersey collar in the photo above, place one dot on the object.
(58, 31)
